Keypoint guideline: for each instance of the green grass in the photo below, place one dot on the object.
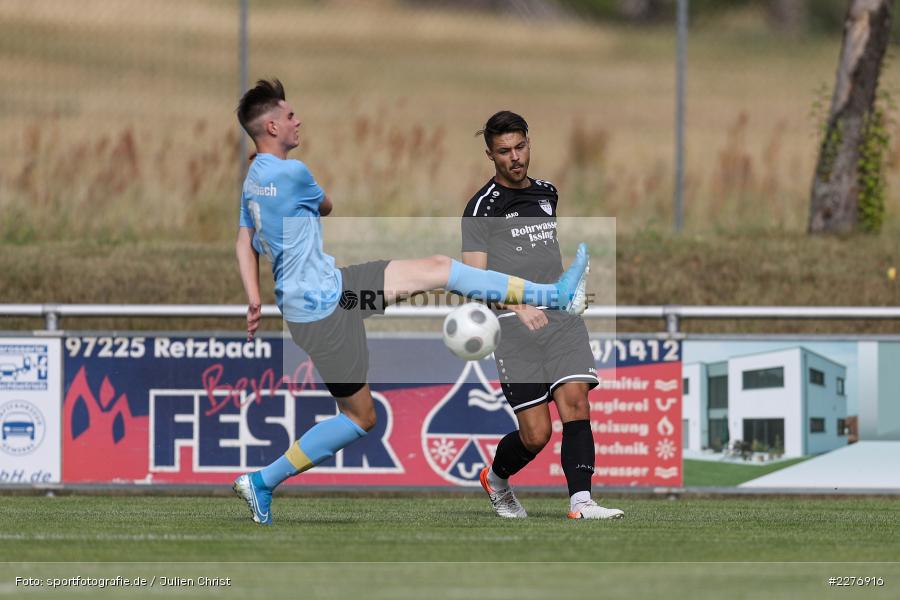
(497, 581)
(441, 528)
(660, 543)
(445, 529)
(704, 473)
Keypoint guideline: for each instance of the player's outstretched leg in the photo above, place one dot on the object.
(411, 276)
(314, 447)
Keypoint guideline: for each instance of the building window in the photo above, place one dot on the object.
(816, 377)
(718, 392)
(765, 434)
(816, 425)
(842, 428)
(718, 434)
(764, 378)
(840, 386)
(685, 388)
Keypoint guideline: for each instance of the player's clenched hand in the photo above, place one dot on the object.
(254, 314)
(533, 318)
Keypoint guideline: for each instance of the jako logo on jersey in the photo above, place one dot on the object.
(269, 190)
(256, 431)
(461, 433)
(545, 206)
(511, 215)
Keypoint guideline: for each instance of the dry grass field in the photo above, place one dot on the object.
(117, 118)
(119, 148)
(650, 269)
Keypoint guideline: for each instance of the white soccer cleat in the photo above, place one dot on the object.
(504, 501)
(257, 498)
(579, 301)
(592, 510)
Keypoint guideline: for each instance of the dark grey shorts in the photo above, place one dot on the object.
(337, 343)
(532, 364)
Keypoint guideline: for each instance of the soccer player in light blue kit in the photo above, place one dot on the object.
(324, 306)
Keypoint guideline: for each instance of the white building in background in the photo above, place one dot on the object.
(879, 390)
(791, 399)
(704, 406)
(694, 426)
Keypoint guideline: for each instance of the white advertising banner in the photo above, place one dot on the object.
(30, 392)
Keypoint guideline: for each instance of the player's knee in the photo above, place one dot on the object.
(365, 418)
(439, 263)
(535, 439)
(578, 403)
(572, 400)
(368, 420)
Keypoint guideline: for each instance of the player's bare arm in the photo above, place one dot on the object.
(248, 263)
(533, 318)
(475, 259)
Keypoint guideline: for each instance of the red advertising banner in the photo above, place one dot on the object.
(144, 416)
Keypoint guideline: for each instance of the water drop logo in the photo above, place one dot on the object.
(461, 433)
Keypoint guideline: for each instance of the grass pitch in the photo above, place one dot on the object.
(454, 547)
(704, 473)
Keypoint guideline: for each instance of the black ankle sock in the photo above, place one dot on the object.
(577, 455)
(511, 456)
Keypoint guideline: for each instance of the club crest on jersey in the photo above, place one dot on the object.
(461, 433)
(545, 206)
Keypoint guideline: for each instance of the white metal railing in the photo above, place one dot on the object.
(671, 314)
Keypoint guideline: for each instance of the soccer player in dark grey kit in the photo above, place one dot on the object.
(509, 225)
(281, 208)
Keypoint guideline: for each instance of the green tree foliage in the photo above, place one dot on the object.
(871, 170)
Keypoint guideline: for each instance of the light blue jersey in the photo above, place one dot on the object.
(280, 201)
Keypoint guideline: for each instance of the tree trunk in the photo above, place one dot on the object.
(835, 189)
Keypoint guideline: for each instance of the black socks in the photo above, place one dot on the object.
(577, 455)
(512, 455)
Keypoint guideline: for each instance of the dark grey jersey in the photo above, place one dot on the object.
(516, 228)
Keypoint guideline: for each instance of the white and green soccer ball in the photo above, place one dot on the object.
(471, 331)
